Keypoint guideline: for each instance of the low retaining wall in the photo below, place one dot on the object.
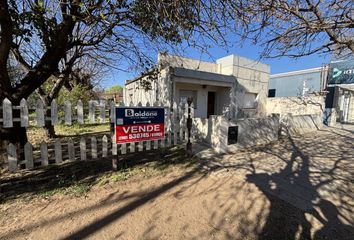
(251, 132)
(301, 124)
(296, 105)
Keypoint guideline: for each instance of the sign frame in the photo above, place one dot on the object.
(138, 123)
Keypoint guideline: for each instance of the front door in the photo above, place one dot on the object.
(211, 104)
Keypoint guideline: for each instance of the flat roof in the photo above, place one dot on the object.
(189, 73)
(298, 72)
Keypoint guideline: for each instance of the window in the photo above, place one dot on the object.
(250, 100)
(271, 92)
(185, 94)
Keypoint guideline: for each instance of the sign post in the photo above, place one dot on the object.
(136, 124)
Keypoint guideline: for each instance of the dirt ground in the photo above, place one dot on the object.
(298, 188)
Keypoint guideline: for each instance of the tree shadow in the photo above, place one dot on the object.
(28, 183)
(293, 194)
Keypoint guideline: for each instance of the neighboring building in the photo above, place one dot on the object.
(233, 86)
(335, 79)
(297, 83)
(341, 91)
(116, 97)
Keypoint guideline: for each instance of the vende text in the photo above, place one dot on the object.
(129, 133)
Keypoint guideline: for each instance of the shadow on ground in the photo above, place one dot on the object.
(85, 174)
(307, 181)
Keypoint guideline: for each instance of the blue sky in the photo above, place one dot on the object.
(251, 51)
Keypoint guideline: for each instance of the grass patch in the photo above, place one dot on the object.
(75, 190)
(79, 129)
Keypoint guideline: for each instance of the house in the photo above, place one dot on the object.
(232, 86)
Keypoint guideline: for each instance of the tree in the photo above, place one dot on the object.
(114, 89)
(39, 34)
(297, 28)
(78, 75)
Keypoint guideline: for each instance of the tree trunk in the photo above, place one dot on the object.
(48, 127)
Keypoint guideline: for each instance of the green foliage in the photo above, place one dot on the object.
(78, 92)
(114, 89)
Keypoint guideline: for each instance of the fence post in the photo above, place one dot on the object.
(112, 114)
(80, 112)
(71, 150)
(132, 147)
(91, 111)
(29, 155)
(189, 126)
(7, 113)
(123, 148)
(181, 120)
(57, 149)
(168, 126)
(44, 153)
(192, 125)
(12, 157)
(67, 112)
(83, 149)
(40, 113)
(174, 118)
(54, 112)
(114, 145)
(24, 113)
(93, 147)
(102, 111)
(104, 146)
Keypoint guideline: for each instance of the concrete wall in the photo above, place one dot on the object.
(252, 77)
(251, 132)
(300, 124)
(296, 105)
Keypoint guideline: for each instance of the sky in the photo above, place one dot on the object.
(279, 65)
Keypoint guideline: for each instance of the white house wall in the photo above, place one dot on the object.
(252, 77)
(160, 90)
(222, 99)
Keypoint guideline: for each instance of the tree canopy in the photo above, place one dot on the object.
(297, 28)
(41, 35)
(114, 89)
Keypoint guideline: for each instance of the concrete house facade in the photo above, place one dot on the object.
(233, 86)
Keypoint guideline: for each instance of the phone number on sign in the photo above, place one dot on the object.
(143, 135)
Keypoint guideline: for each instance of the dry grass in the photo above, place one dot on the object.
(36, 135)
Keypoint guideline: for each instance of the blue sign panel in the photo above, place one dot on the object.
(341, 72)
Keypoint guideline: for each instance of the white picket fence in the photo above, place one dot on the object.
(94, 106)
(85, 149)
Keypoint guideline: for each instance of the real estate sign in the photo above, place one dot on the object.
(341, 72)
(135, 124)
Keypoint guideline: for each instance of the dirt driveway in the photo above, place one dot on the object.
(299, 188)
